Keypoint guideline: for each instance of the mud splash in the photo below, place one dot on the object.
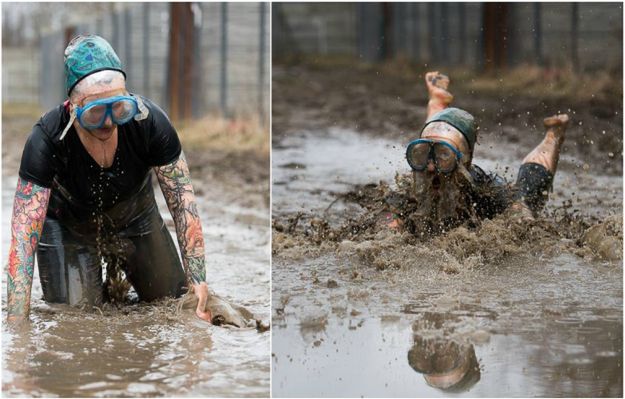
(371, 237)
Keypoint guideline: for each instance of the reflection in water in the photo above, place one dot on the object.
(444, 363)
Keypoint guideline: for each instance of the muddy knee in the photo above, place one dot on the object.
(533, 185)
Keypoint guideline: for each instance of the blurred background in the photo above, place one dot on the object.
(484, 36)
(190, 58)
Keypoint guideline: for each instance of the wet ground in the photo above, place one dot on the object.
(531, 310)
(152, 350)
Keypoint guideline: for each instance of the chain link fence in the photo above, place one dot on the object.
(20, 75)
(190, 58)
(586, 36)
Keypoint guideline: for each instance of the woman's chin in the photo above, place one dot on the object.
(102, 134)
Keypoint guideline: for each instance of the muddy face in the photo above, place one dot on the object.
(441, 199)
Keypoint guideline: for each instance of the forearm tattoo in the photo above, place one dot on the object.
(175, 182)
(29, 213)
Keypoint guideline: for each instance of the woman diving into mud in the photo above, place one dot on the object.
(85, 194)
(449, 189)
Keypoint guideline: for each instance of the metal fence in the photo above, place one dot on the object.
(190, 58)
(586, 36)
(20, 75)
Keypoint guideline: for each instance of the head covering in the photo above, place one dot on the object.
(86, 55)
(461, 120)
(445, 364)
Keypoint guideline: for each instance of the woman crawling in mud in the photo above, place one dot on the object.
(85, 195)
(448, 189)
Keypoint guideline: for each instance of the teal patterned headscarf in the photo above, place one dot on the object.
(88, 54)
(461, 120)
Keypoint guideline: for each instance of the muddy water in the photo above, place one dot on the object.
(547, 322)
(148, 349)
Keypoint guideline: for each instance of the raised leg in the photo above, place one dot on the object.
(538, 169)
(547, 152)
(439, 97)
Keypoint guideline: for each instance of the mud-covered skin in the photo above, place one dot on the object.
(29, 212)
(175, 182)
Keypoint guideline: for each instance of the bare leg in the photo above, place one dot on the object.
(545, 155)
(439, 97)
(547, 152)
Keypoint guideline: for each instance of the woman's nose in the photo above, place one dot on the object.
(431, 167)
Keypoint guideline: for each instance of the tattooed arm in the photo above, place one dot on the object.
(29, 213)
(175, 183)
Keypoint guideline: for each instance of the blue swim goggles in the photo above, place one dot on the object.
(444, 155)
(121, 109)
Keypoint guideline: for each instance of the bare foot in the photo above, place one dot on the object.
(437, 85)
(547, 152)
(556, 125)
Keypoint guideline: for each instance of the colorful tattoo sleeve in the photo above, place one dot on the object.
(29, 213)
(175, 182)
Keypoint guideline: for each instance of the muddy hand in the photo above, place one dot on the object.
(201, 292)
(18, 323)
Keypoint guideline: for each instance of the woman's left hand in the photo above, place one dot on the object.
(201, 292)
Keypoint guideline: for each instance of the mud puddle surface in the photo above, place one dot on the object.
(149, 349)
(500, 310)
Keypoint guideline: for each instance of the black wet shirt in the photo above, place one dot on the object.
(491, 193)
(79, 185)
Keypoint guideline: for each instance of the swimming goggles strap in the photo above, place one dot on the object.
(72, 118)
(143, 110)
